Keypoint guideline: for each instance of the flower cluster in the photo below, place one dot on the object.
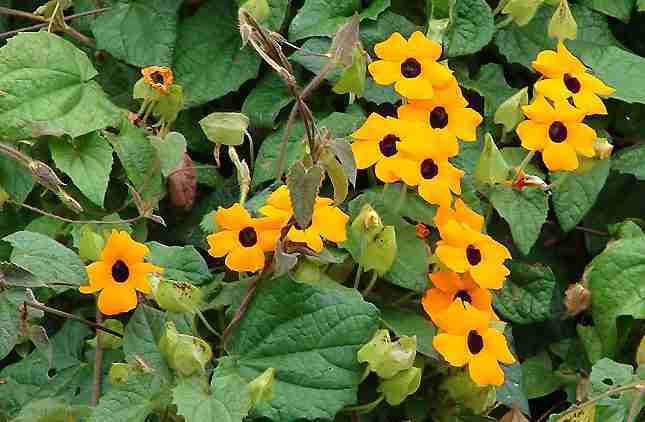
(416, 147)
(566, 94)
(244, 240)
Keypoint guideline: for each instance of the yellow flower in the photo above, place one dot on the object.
(556, 130)
(158, 77)
(119, 274)
(566, 76)
(327, 222)
(461, 213)
(467, 339)
(378, 142)
(451, 287)
(447, 112)
(243, 239)
(431, 171)
(463, 249)
(411, 65)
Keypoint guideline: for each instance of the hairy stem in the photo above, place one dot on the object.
(66, 315)
(98, 359)
(69, 220)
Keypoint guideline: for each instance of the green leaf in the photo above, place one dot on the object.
(537, 373)
(87, 160)
(471, 27)
(140, 161)
(209, 59)
(64, 100)
(512, 393)
(630, 160)
(528, 295)
(491, 167)
(51, 410)
(132, 401)
(15, 179)
(591, 342)
(180, 263)
(266, 100)
(139, 32)
(170, 150)
(228, 398)
(522, 44)
(524, 211)
(575, 194)
(640, 5)
(490, 84)
(303, 188)
(321, 17)
(311, 343)
(8, 326)
(404, 322)
(607, 374)
(615, 280)
(620, 9)
(278, 13)
(46, 259)
(141, 339)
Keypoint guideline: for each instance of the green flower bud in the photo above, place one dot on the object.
(379, 254)
(175, 296)
(259, 9)
(185, 354)
(563, 25)
(491, 168)
(261, 388)
(119, 373)
(307, 272)
(403, 384)
(367, 224)
(388, 358)
(91, 244)
(509, 112)
(169, 105)
(522, 11)
(225, 128)
(143, 91)
(109, 341)
(459, 388)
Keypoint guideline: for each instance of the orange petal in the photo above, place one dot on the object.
(553, 88)
(439, 75)
(413, 112)
(366, 153)
(456, 234)
(394, 48)
(495, 344)
(447, 281)
(534, 135)
(267, 239)
(223, 242)
(233, 218)
(385, 72)
(435, 191)
(418, 87)
(386, 170)
(484, 370)
(582, 138)
(463, 123)
(375, 127)
(423, 47)
(435, 301)
(331, 222)
(116, 299)
(280, 199)
(461, 317)
(453, 348)
(560, 157)
(589, 102)
(594, 84)
(100, 276)
(539, 110)
(489, 275)
(139, 276)
(548, 64)
(467, 216)
(245, 259)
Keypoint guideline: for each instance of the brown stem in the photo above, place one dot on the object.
(239, 313)
(79, 36)
(43, 25)
(98, 359)
(640, 386)
(69, 220)
(279, 166)
(19, 13)
(66, 315)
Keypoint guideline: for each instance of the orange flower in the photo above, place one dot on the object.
(411, 65)
(467, 339)
(158, 77)
(461, 213)
(243, 239)
(119, 274)
(451, 287)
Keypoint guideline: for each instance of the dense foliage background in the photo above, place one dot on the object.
(574, 303)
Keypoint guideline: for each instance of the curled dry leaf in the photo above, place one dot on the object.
(577, 299)
(182, 185)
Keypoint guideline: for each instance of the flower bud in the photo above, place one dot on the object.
(119, 373)
(459, 388)
(225, 128)
(107, 340)
(367, 224)
(522, 11)
(259, 9)
(399, 387)
(185, 354)
(509, 113)
(602, 148)
(491, 168)
(261, 388)
(563, 25)
(175, 296)
(388, 358)
(379, 254)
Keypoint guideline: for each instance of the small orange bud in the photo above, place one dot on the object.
(158, 77)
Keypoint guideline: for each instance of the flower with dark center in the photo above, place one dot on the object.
(120, 271)
(157, 77)
(438, 118)
(411, 68)
(388, 145)
(558, 132)
(572, 83)
(473, 254)
(475, 342)
(429, 169)
(248, 237)
(463, 295)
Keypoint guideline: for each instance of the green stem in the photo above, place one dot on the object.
(526, 161)
(370, 286)
(357, 278)
(504, 22)
(640, 385)
(98, 358)
(207, 325)
(402, 197)
(362, 407)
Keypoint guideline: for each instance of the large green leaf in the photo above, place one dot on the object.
(615, 278)
(471, 27)
(522, 44)
(490, 84)
(621, 9)
(46, 259)
(15, 179)
(528, 295)
(209, 59)
(50, 93)
(266, 100)
(181, 263)
(537, 373)
(51, 410)
(8, 326)
(311, 343)
(404, 322)
(574, 194)
(139, 32)
(131, 401)
(630, 160)
(141, 338)
(524, 211)
(87, 160)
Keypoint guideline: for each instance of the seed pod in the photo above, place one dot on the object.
(175, 296)
(185, 354)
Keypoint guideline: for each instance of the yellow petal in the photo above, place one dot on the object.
(489, 275)
(245, 259)
(394, 48)
(456, 234)
(560, 157)
(463, 123)
(232, 218)
(366, 153)
(589, 102)
(447, 281)
(439, 75)
(453, 348)
(435, 191)
(568, 60)
(314, 241)
(539, 110)
(481, 299)
(331, 222)
(413, 112)
(423, 48)
(565, 112)
(582, 138)
(553, 88)
(374, 128)
(461, 317)
(139, 276)
(418, 87)
(121, 246)
(534, 135)
(495, 344)
(491, 249)
(594, 84)
(467, 216)
(435, 301)
(116, 299)
(386, 170)
(280, 199)
(484, 370)
(385, 72)
(267, 239)
(223, 242)
(548, 64)
(100, 276)
(453, 257)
